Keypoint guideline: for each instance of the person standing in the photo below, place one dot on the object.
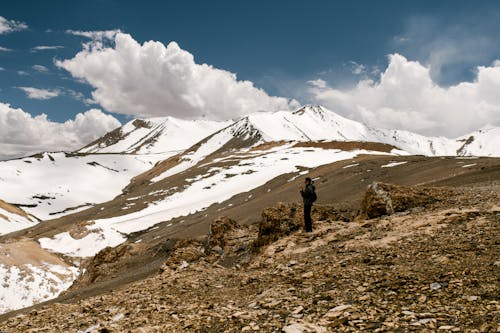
(308, 193)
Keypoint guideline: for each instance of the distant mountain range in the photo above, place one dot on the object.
(309, 123)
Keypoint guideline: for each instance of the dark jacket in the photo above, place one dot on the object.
(308, 194)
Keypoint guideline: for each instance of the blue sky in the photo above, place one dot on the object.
(283, 47)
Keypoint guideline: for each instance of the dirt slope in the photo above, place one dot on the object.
(340, 184)
(431, 267)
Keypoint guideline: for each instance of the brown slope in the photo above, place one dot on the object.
(342, 187)
(424, 270)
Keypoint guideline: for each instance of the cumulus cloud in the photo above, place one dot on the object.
(4, 49)
(7, 26)
(406, 97)
(36, 93)
(46, 48)
(157, 80)
(40, 68)
(22, 134)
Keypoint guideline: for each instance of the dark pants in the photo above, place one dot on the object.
(307, 218)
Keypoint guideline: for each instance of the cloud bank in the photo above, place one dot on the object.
(407, 98)
(157, 80)
(23, 134)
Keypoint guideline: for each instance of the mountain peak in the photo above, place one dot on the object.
(309, 108)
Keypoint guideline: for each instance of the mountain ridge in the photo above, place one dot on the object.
(308, 123)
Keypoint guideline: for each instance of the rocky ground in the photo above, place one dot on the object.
(413, 259)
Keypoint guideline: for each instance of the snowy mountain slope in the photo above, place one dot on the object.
(484, 142)
(50, 188)
(54, 184)
(13, 218)
(30, 274)
(195, 188)
(313, 123)
(154, 136)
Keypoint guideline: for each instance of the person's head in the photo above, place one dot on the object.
(308, 181)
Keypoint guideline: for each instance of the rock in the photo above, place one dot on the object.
(217, 234)
(106, 262)
(472, 298)
(446, 328)
(303, 328)
(294, 328)
(386, 199)
(254, 326)
(229, 240)
(282, 220)
(337, 311)
(434, 286)
(340, 308)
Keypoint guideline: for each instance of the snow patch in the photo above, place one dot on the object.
(393, 164)
(28, 284)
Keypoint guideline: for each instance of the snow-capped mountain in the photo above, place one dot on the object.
(154, 136)
(483, 142)
(51, 185)
(315, 123)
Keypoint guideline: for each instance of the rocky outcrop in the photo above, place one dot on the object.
(106, 264)
(386, 199)
(229, 242)
(285, 218)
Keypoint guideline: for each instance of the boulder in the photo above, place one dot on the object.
(386, 199)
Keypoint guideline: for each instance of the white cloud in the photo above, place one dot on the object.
(80, 97)
(356, 68)
(23, 73)
(7, 26)
(157, 80)
(40, 68)
(95, 35)
(448, 48)
(46, 47)
(36, 93)
(406, 97)
(21, 134)
(98, 39)
(4, 49)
